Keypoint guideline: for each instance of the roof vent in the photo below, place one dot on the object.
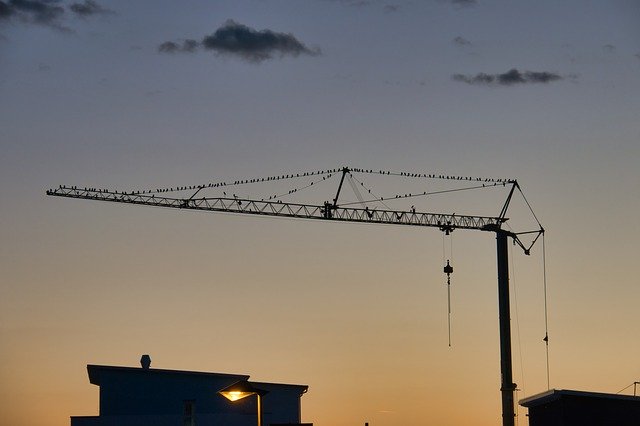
(145, 361)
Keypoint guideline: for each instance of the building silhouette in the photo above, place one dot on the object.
(558, 407)
(147, 396)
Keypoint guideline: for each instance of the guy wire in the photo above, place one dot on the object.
(515, 297)
(546, 316)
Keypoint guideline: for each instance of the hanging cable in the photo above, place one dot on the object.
(355, 190)
(308, 185)
(377, 199)
(530, 208)
(448, 269)
(484, 181)
(241, 181)
(432, 176)
(546, 316)
(515, 297)
(425, 193)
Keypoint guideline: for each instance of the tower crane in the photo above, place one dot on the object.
(334, 210)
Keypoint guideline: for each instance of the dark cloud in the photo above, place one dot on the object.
(256, 46)
(234, 39)
(637, 55)
(42, 12)
(187, 46)
(609, 48)
(6, 11)
(46, 12)
(461, 41)
(509, 78)
(89, 8)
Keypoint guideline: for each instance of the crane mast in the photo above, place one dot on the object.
(332, 211)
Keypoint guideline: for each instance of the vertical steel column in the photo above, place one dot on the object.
(507, 386)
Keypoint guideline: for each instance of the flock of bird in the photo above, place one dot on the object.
(326, 174)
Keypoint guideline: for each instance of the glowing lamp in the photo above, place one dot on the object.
(235, 395)
(241, 390)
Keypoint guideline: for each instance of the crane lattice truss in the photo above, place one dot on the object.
(275, 208)
(373, 210)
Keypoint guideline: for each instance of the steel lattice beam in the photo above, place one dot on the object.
(292, 210)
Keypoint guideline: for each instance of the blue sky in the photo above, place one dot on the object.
(91, 100)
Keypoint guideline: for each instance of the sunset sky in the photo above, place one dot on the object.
(152, 94)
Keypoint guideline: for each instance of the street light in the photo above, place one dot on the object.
(243, 389)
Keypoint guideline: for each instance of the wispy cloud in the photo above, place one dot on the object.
(89, 8)
(387, 6)
(238, 40)
(187, 46)
(509, 78)
(609, 48)
(461, 41)
(390, 8)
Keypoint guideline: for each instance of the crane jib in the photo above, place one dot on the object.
(327, 211)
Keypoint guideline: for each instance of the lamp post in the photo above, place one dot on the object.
(241, 390)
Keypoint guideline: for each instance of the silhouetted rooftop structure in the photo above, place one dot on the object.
(558, 407)
(147, 396)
